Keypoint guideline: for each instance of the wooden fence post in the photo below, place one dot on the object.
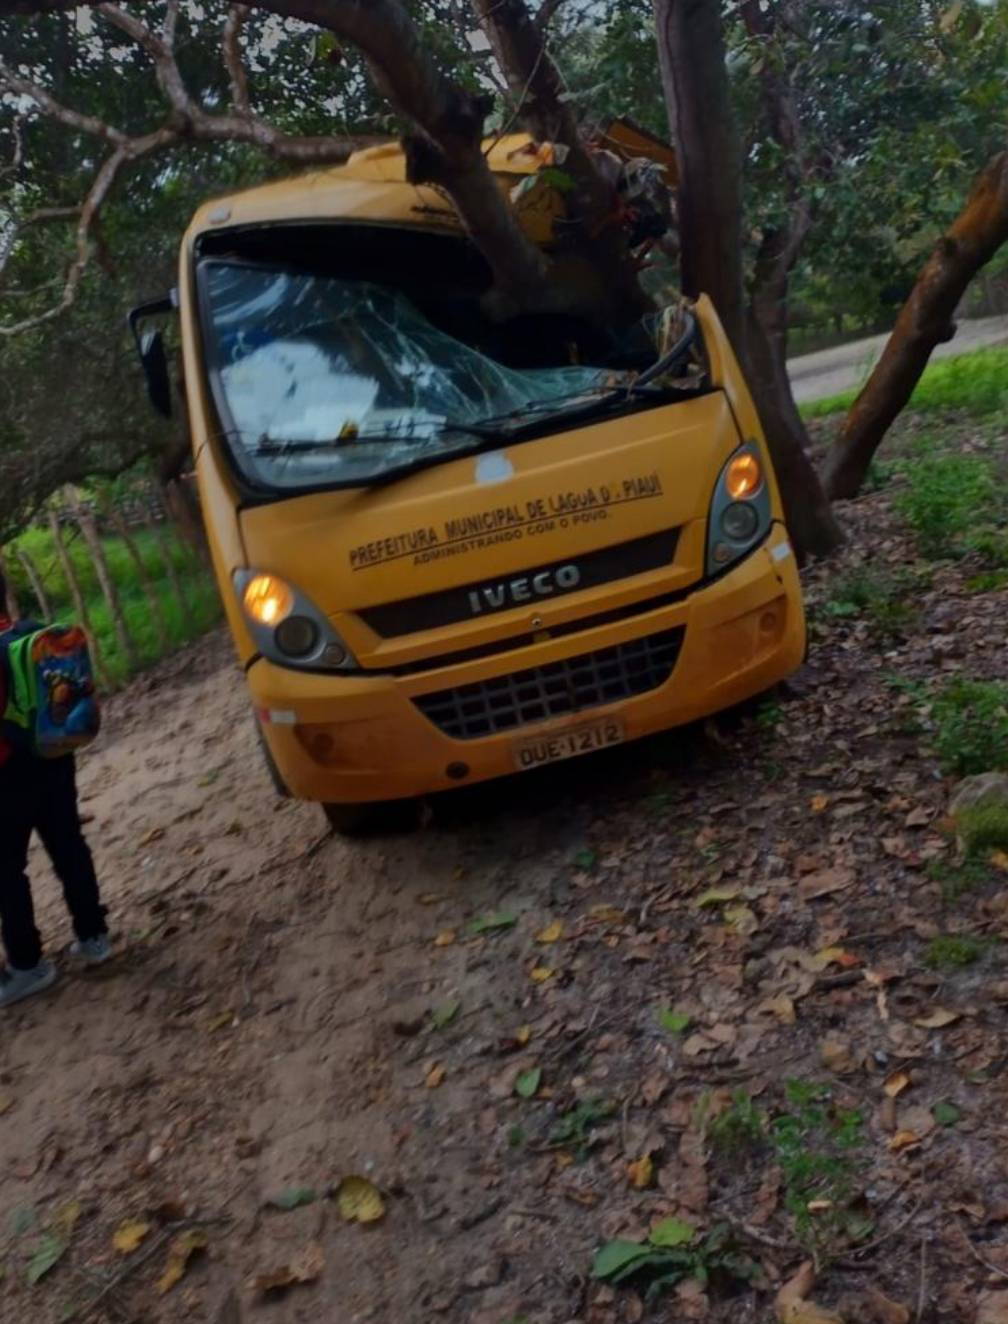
(161, 536)
(154, 602)
(35, 579)
(89, 530)
(78, 597)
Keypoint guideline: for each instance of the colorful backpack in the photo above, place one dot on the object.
(51, 708)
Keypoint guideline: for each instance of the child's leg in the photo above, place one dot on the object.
(58, 824)
(17, 915)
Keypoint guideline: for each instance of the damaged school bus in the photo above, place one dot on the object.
(449, 547)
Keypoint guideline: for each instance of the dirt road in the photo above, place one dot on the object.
(288, 1010)
(830, 371)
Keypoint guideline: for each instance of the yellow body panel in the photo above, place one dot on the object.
(362, 737)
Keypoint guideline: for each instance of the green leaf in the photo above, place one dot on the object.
(527, 1082)
(558, 179)
(672, 1232)
(715, 896)
(500, 919)
(48, 1252)
(617, 1255)
(673, 1021)
(585, 858)
(445, 1014)
(293, 1198)
(22, 1220)
(946, 1113)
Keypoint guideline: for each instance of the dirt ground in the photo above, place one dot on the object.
(288, 1009)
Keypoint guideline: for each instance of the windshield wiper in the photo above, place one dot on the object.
(272, 446)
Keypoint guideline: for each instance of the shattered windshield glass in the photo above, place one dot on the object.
(328, 380)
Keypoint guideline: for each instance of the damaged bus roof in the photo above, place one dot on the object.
(372, 186)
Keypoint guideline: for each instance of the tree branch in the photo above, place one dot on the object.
(230, 45)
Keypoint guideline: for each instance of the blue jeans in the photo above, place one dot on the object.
(41, 795)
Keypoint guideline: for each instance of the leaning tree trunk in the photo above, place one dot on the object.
(924, 322)
(691, 51)
(691, 47)
(12, 604)
(35, 579)
(89, 530)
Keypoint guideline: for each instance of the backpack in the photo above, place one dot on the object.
(50, 708)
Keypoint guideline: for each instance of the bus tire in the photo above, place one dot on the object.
(374, 819)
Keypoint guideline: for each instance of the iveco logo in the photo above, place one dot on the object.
(492, 597)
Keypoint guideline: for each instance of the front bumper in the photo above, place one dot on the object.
(352, 739)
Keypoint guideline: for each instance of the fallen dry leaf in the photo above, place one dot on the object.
(884, 1310)
(824, 882)
(896, 1083)
(641, 1172)
(434, 1076)
(65, 1219)
(550, 933)
(523, 1034)
(359, 1200)
(6, 1102)
(540, 973)
(836, 1055)
(445, 938)
(128, 1236)
(305, 1267)
(791, 1303)
(937, 1019)
(819, 802)
(180, 1252)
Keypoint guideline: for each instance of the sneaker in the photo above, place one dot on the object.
(18, 984)
(92, 951)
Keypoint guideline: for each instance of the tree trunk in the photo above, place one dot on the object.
(540, 104)
(924, 322)
(77, 597)
(154, 604)
(692, 55)
(35, 579)
(11, 604)
(89, 532)
(181, 502)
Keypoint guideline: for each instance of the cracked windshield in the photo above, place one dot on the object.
(335, 380)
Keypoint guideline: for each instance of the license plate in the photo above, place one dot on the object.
(530, 754)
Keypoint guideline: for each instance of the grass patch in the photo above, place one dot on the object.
(952, 503)
(983, 828)
(953, 951)
(815, 1144)
(884, 600)
(183, 624)
(971, 726)
(956, 879)
(976, 382)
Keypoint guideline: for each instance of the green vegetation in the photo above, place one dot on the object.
(182, 624)
(883, 599)
(953, 951)
(814, 1143)
(976, 382)
(983, 828)
(674, 1252)
(955, 879)
(971, 726)
(575, 1128)
(952, 503)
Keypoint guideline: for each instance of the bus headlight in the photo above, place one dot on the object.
(287, 627)
(740, 509)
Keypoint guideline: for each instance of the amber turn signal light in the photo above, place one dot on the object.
(743, 477)
(267, 599)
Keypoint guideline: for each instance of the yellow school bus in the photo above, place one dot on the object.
(450, 547)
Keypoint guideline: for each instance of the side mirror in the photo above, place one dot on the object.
(154, 362)
(151, 350)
